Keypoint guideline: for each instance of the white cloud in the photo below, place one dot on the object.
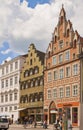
(20, 25)
(6, 51)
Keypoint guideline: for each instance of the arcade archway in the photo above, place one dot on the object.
(52, 113)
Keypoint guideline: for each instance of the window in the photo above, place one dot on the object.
(15, 96)
(16, 65)
(49, 94)
(5, 108)
(36, 70)
(10, 97)
(75, 69)
(10, 109)
(15, 107)
(67, 55)
(31, 72)
(6, 69)
(66, 43)
(60, 58)
(2, 84)
(49, 76)
(2, 71)
(16, 80)
(31, 83)
(74, 44)
(61, 92)
(2, 99)
(6, 82)
(36, 83)
(61, 44)
(55, 75)
(26, 73)
(54, 93)
(30, 61)
(75, 115)
(1, 109)
(6, 98)
(67, 32)
(41, 82)
(68, 91)
(54, 60)
(75, 90)
(73, 55)
(67, 71)
(26, 85)
(11, 67)
(11, 81)
(61, 73)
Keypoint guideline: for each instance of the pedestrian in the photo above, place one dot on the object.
(45, 124)
(60, 124)
(35, 124)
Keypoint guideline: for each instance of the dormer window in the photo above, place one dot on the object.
(61, 44)
(36, 70)
(74, 44)
(55, 38)
(30, 61)
(61, 20)
(67, 32)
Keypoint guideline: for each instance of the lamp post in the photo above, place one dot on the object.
(65, 121)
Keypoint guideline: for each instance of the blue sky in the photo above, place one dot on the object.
(23, 22)
(33, 3)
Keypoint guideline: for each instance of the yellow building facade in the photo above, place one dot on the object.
(32, 85)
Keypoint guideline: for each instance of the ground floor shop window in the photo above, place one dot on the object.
(75, 115)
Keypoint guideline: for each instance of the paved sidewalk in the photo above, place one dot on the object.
(50, 127)
(29, 126)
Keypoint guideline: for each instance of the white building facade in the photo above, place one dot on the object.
(9, 87)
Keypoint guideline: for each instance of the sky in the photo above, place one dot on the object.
(23, 22)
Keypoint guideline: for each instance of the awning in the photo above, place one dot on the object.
(53, 111)
(19, 109)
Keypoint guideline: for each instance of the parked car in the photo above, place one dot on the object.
(4, 123)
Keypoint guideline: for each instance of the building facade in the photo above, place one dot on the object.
(62, 76)
(9, 87)
(32, 85)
